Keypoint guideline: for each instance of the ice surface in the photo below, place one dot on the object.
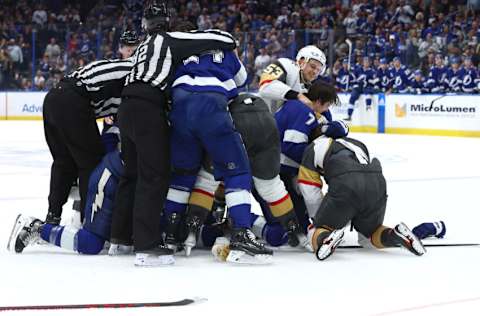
(429, 178)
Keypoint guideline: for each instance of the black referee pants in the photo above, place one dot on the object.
(74, 141)
(144, 186)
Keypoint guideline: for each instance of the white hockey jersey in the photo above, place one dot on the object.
(279, 78)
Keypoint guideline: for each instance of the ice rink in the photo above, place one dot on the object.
(429, 178)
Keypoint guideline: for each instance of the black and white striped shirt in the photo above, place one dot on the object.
(155, 59)
(103, 81)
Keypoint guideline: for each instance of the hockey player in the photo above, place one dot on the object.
(365, 82)
(200, 122)
(90, 238)
(454, 76)
(298, 124)
(260, 135)
(71, 130)
(384, 75)
(470, 78)
(401, 75)
(344, 78)
(418, 85)
(356, 193)
(289, 80)
(145, 130)
(436, 76)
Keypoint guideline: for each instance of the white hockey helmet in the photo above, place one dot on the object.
(312, 52)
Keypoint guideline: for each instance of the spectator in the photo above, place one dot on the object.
(39, 81)
(427, 45)
(39, 15)
(52, 50)
(15, 53)
(262, 61)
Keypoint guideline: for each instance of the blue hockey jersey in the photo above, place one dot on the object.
(365, 78)
(436, 79)
(216, 71)
(454, 79)
(401, 79)
(344, 79)
(295, 123)
(470, 80)
(385, 79)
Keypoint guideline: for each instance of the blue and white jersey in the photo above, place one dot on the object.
(418, 86)
(365, 78)
(344, 78)
(295, 123)
(454, 79)
(216, 71)
(436, 79)
(470, 80)
(385, 79)
(401, 79)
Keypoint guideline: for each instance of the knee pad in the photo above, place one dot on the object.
(88, 243)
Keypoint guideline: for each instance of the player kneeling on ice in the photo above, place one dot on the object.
(89, 239)
(357, 193)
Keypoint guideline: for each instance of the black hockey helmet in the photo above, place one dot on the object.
(246, 99)
(156, 16)
(129, 38)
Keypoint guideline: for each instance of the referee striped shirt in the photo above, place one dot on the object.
(103, 81)
(156, 58)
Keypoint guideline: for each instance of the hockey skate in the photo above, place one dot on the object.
(329, 244)
(407, 239)
(193, 227)
(173, 222)
(25, 232)
(53, 219)
(245, 249)
(119, 249)
(158, 256)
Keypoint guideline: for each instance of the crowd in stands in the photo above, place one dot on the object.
(41, 40)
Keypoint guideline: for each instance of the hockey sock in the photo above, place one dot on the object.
(281, 207)
(273, 233)
(179, 193)
(201, 199)
(383, 237)
(61, 236)
(368, 102)
(209, 233)
(317, 235)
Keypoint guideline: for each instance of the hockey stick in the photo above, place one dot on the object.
(436, 99)
(430, 245)
(183, 302)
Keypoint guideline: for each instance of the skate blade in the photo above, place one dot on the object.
(241, 257)
(153, 261)
(415, 242)
(116, 250)
(17, 226)
(189, 243)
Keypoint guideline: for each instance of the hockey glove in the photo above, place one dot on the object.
(430, 229)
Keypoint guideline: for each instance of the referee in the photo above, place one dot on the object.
(144, 129)
(70, 111)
